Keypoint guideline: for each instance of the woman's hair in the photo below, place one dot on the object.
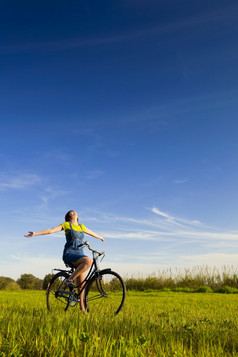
(68, 216)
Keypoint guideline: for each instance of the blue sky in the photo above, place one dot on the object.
(126, 112)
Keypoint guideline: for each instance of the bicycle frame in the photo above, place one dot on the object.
(93, 271)
(96, 285)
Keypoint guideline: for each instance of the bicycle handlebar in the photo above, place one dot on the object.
(92, 250)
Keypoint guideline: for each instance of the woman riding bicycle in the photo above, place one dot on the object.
(73, 254)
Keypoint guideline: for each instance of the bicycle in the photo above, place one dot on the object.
(104, 290)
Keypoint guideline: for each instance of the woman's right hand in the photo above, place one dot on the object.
(31, 234)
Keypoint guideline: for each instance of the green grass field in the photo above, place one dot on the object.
(150, 324)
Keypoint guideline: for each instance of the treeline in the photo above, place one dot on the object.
(200, 279)
(26, 281)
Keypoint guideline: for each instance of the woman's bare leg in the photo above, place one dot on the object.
(79, 281)
(81, 265)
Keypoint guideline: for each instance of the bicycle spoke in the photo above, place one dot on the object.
(58, 296)
(103, 291)
(105, 294)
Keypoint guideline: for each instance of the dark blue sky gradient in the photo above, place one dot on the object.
(125, 109)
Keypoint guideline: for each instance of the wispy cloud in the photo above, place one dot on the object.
(135, 244)
(59, 156)
(18, 181)
(93, 174)
(138, 235)
(179, 236)
(179, 182)
(50, 193)
(165, 228)
(37, 265)
(212, 258)
(174, 220)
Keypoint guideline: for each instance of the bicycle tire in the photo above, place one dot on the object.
(105, 293)
(58, 296)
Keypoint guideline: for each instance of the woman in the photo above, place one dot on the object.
(73, 254)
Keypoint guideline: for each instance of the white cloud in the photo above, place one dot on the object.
(39, 266)
(207, 235)
(177, 182)
(162, 214)
(174, 220)
(18, 181)
(51, 193)
(93, 174)
(172, 242)
(138, 235)
(162, 228)
(211, 259)
(58, 155)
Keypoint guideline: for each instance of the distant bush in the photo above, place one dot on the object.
(26, 281)
(29, 281)
(183, 290)
(8, 284)
(167, 290)
(200, 279)
(227, 290)
(46, 281)
(197, 279)
(204, 289)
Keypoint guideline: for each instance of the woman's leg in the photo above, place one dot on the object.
(80, 284)
(81, 265)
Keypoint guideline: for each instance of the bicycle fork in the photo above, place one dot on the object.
(99, 286)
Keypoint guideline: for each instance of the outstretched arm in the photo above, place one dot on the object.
(93, 234)
(45, 231)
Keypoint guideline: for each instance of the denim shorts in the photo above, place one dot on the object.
(71, 256)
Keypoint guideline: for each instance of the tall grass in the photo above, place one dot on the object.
(151, 324)
(193, 278)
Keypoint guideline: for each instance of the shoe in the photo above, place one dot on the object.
(69, 283)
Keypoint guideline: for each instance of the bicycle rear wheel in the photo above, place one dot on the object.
(58, 296)
(105, 293)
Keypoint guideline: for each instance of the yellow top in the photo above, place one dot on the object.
(66, 227)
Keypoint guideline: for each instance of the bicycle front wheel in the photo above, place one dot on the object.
(58, 296)
(105, 293)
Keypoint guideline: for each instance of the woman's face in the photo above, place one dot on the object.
(74, 215)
